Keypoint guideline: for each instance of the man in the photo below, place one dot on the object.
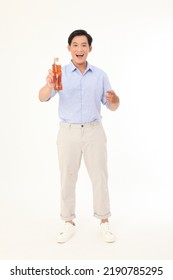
(81, 133)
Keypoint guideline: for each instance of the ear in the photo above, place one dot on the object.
(90, 48)
(68, 47)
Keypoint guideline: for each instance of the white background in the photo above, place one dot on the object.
(133, 43)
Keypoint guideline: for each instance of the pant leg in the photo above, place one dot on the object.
(95, 157)
(69, 154)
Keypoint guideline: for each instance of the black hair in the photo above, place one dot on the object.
(80, 32)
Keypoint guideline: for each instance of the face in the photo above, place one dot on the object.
(79, 50)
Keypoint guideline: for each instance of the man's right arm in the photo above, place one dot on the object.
(46, 91)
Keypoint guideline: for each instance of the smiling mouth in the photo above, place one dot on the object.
(79, 55)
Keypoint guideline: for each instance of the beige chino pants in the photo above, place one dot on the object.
(89, 141)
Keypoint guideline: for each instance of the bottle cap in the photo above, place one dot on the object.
(56, 60)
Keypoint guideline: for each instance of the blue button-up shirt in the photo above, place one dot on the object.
(82, 94)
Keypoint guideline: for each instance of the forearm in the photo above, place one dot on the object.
(45, 93)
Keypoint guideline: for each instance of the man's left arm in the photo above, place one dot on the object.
(113, 100)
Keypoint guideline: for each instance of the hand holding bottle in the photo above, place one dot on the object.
(50, 80)
(54, 78)
(53, 81)
(46, 91)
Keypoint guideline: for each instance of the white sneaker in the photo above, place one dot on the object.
(107, 235)
(67, 233)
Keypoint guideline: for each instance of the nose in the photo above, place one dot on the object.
(79, 49)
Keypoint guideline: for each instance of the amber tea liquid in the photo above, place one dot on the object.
(56, 68)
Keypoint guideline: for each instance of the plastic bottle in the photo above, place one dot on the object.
(56, 68)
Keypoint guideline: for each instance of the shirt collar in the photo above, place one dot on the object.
(73, 67)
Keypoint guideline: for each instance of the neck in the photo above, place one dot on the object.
(82, 67)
